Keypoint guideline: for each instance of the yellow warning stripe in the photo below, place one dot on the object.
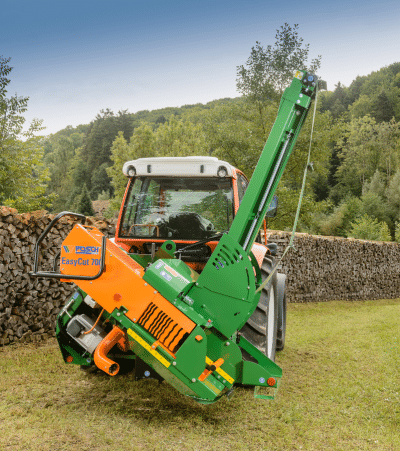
(148, 348)
(212, 387)
(221, 372)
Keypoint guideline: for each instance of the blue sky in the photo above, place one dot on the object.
(75, 58)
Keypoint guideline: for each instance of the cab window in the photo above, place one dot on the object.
(242, 185)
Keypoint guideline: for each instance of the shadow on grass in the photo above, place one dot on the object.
(149, 401)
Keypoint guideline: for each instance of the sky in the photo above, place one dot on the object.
(74, 58)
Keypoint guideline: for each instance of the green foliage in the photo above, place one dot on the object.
(177, 137)
(23, 176)
(100, 181)
(364, 147)
(120, 153)
(104, 195)
(269, 70)
(367, 228)
(355, 152)
(237, 132)
(337, 223)
(85, 206)
(393, 197)
(397, 232)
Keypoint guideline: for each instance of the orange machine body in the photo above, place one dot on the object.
(121, 283)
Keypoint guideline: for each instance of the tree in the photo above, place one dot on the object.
(178, 137)
(100, 181)
(23, 177)
(393, 197)
(120, 153)
(359, 154)
(367, 228)
(85, 206)
(269, 70)
(383, 110)
(173, 138)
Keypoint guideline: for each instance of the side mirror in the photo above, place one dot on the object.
(273, 208)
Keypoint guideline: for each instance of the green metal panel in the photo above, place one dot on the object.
(191, 356)
(271, 368)
(225, 290)
(169, 277)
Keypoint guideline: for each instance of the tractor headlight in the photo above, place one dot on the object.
(131, 171)
(222, 171)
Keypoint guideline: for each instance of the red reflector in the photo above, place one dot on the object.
(117, 297)
(69, 359)
(271, 381)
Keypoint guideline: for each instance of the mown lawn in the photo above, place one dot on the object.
(340, 391)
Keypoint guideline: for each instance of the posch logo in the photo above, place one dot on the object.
(69, 249)
(86, 250)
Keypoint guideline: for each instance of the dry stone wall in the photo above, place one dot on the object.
(320, 269)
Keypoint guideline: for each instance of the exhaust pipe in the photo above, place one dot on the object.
(100, 354)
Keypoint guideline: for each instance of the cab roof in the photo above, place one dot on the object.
(178, 167)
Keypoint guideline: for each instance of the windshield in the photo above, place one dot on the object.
(177, 208)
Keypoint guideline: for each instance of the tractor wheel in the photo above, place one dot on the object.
(282, 303)
(261, 328)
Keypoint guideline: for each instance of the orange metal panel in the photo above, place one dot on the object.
(121, 283)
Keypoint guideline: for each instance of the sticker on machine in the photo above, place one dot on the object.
(84, 250)
(175, 274)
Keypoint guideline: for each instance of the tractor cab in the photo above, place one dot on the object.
(184, 199)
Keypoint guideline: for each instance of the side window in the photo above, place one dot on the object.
(242, 185)
(130, 207)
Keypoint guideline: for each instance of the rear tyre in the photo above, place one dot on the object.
(282, 303)
(261, 328)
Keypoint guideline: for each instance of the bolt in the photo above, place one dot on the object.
(298, 101)
(134, 320)
(174, 363)
(261, 380)
(155, 292)
(227, 343)
(224, 381)
(193, 380)
(118, 314)
(300, 95)
(147, 373)
(145, 284)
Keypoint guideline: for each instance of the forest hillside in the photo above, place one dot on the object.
(353, 191)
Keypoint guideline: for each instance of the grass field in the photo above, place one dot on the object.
(340, 391)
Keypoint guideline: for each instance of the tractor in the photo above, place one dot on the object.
(187, 291)
(192, 201)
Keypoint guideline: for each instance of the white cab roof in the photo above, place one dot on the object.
(178, 166)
